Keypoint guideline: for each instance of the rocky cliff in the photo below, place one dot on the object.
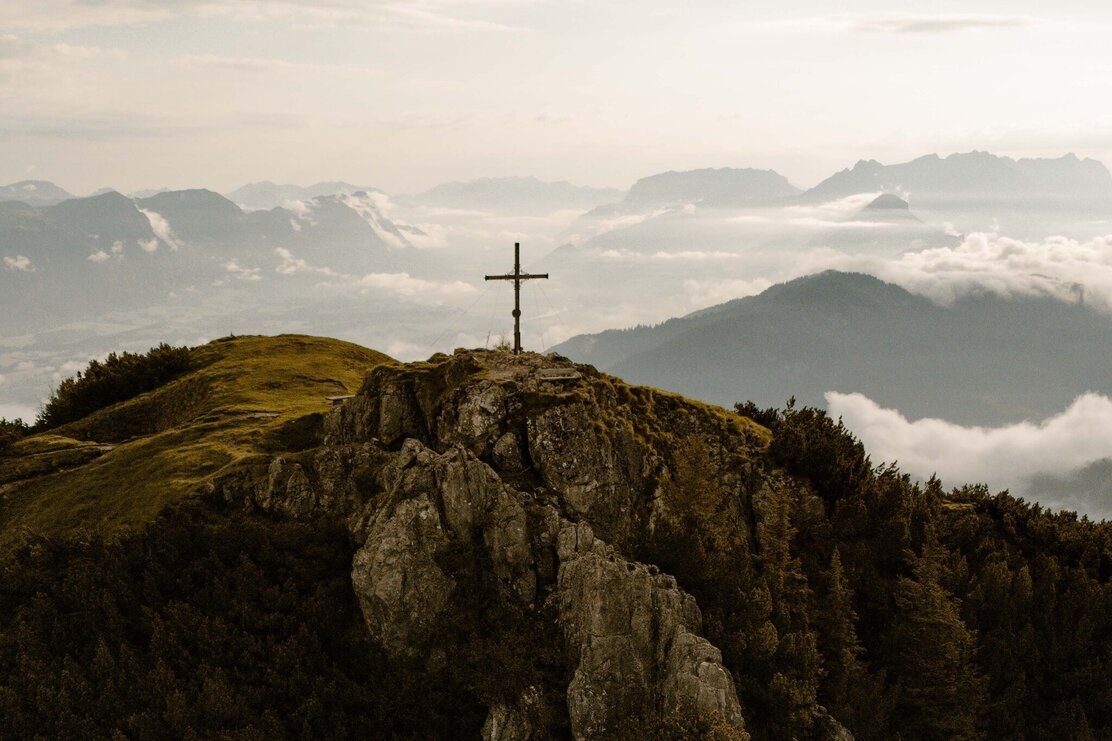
(536, 483)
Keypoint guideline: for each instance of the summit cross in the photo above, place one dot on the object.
(517, 276)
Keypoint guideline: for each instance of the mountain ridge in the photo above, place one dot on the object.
(977, 178)
(846, 332)
(526, 553)
(34, 193)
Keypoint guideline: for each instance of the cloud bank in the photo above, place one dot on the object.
(21, 263)
(418, 289)
(1003, 457)
(161, 229)
(292, 265)
(1057, 267)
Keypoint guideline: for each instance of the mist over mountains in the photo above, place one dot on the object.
(982, 360)
(268, 195)
(113, 252)
(991, 307)
(709, 187)
(979, 178)
(34, 193)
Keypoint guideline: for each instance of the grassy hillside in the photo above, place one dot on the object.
(247, 398)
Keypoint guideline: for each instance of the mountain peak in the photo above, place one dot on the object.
(34, 193)
(887, 202)
(710, 186)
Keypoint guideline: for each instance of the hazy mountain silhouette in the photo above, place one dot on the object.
(34, 193)
(978, 179)
(983, 360)
(267, 195)
(148, 192)
(515, 194)
(724, 186)
(110, 252)
(888, 207)
(198, 214)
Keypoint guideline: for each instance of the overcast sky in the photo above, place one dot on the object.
(403, 95)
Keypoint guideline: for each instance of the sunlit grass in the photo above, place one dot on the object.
(119, 467)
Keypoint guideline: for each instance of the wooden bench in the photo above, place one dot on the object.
(338, 400)
(558, 374)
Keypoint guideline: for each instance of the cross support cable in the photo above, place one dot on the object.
(517, 276)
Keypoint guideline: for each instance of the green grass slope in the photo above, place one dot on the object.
(246, 398)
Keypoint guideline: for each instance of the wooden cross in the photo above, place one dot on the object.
(517, 276)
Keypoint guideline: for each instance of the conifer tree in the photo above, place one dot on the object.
(932, 654)
(837, 623)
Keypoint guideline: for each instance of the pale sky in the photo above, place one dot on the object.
(406, 94)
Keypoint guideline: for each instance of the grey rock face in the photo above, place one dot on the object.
(476, 457)
(635, 634)
(574, 458)
(400, 587)
(432, 501)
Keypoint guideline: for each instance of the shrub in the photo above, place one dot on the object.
(809, 444)
(10, 431)
(118, 378)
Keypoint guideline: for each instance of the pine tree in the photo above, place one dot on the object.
(931, 650)
(837, 623)
(793, 687)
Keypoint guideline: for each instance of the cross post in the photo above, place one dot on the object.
(517, 276)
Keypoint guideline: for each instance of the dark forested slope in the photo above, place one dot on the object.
(469, 548)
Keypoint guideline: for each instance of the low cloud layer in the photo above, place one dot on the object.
(240, 272)
(21, 263)
(1003, 457)
(161, 229)
(418, 289)
(291, 265)
(711, 292)
(1063, 268)
(116, 252)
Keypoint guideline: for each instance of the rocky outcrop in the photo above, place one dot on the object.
(432, 501)
(632, 628)
(476, 463)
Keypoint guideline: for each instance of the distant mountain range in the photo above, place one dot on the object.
(983, 360)
(977, 179)
(710, 187)
(268, 195)
(109, 251)
(34, 193)
(515, 194)
(960, 180)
